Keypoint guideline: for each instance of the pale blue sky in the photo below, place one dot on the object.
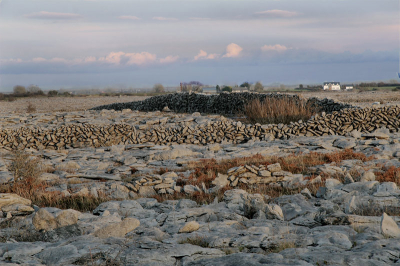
(78, 43)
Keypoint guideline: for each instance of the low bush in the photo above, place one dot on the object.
(30, 108)
(276, 111)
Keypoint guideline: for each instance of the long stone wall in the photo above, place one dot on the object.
(223, 103)
(80, 135)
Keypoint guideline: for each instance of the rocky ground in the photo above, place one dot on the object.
(305, 200)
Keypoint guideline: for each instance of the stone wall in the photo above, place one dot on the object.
(341, 122)
(223, 103)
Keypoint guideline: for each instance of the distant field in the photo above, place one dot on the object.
(63, 104)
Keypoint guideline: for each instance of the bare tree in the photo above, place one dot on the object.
(158, 88)
(258, 87)
(18, 89)
(34, 89)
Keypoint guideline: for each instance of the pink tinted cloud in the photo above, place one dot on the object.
(204, 55)
(276, 48)
(140, 58)
(277, 13)
(112, 58)
(53, 15)
(169, 59)
(233, 50)
(121, 58)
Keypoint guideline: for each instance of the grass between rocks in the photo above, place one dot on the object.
(27, 169)
(205, 171)
(196, 240)
(294, 163)
(276, 111)
(391, 174)
(373, 209)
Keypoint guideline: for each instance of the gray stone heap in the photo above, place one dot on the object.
(224, 103)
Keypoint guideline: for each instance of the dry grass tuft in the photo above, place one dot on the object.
(30, 108)
(196, 240)
(391, 174)
(276, 111)
(26, 171)
(282, 245)
(374, 209)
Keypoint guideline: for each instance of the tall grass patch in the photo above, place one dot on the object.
(276, 111)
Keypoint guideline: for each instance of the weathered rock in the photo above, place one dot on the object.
(189, 227)
(43, 220)
(17, 209)
(9, 199)
(273, 211)
(389, 227)
(118, 229)
(67, 217)
(221, 180)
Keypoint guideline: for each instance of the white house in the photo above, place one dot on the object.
(332, 86)
(349, 87)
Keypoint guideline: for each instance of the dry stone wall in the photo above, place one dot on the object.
(223, 103)
(342, 122)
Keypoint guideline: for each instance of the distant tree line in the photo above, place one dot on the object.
(378, 84)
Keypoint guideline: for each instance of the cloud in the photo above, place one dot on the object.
(276, 47)
(169, 59)
(140, 58)
(39, 59)
(11, 60)
(277, 13)
(53, 15)
(121, 58)
(129, 17)
(204, 55)
(90, 59)
(233, 50)
(112, 58)
(165, 19)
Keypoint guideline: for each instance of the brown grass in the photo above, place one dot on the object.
(196, 240)
(26, 171)
(391, 174)
(206, 171)
(295, 163)
(276, 111)
(282, 245)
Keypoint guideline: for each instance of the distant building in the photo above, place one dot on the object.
(240, 89)
(332, 86)
(349, 87)
(210, 90)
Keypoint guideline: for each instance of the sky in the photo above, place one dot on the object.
(134, 44)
